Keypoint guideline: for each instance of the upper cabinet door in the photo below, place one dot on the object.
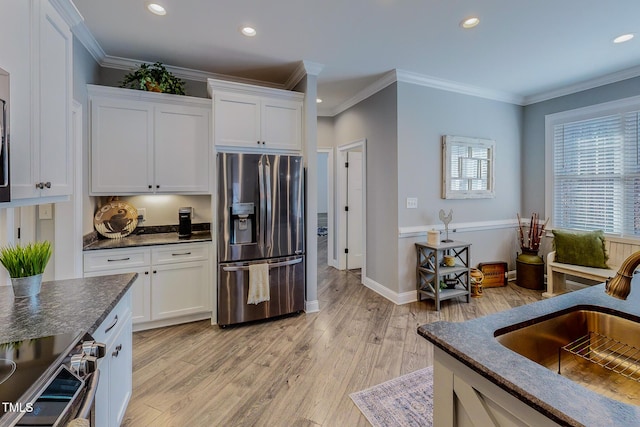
(56, 87)
(281, 124)
(121, 147)
(182, 148)
(236, 120)
(41, 149)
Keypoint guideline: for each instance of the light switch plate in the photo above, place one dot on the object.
(45, 211)
(412, 203)
(142, 212)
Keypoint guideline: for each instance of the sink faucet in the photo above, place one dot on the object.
(620, 285)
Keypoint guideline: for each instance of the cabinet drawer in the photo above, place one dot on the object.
(106, 260)
(183, 252)
(107, 331)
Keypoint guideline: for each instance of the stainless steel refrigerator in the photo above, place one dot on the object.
(260, 220)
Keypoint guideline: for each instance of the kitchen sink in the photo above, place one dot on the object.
(600, 351)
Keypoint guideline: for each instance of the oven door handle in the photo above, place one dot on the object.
(87, 405)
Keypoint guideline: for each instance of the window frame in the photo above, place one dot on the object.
(620, 106)
(449, 144)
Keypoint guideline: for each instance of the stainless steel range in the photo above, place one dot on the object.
(48, 381)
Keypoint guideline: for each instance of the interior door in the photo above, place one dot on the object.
(354, 214)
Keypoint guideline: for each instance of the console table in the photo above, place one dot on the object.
(431, 270)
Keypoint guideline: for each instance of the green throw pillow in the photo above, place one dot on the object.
(580, 248)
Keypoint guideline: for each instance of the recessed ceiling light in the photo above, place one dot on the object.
(470, 22)
(623, 38)
(318, 100)
(248, 31)
(157, 9)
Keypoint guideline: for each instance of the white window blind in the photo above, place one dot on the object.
(596, 177)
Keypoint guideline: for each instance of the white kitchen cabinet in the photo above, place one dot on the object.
(116, 367)
(173, 285)
(41, 157)
(144, 142)
(254, 117)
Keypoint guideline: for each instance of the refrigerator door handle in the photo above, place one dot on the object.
(271, 265)
(268, 224)
(262, 219)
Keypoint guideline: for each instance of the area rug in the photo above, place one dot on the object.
(400, 402)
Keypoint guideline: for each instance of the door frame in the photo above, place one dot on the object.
(331, 257)
(341, 197)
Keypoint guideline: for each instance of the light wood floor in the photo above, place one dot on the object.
(295, 371)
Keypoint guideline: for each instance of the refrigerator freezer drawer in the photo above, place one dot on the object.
(286, 289)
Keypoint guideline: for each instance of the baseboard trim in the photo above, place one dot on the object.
(394, 297)
(311, 306)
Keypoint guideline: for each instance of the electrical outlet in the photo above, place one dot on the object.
(142, 214)
(45, 211)
(412, 203)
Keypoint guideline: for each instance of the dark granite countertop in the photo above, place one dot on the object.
(148, 239)
(62, 306)
(473, 343)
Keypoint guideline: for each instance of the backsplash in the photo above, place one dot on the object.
(162, 210)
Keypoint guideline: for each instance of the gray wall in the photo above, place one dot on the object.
(375, 119)
(532, 162)
(424, 115)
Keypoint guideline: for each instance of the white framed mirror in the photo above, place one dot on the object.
(467, 167)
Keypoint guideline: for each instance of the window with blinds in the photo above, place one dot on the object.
(596, 173)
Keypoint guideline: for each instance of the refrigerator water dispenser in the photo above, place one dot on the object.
(243, 223)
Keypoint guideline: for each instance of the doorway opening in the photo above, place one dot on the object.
(351, 207)
(326, 215)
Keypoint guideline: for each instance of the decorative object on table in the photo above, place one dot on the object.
(467, 167)
(529, 265)
(154, 78)
(116, 219)
(433, 237)
(25, 265)
(449, 260)
(495, 274)
(401, 402)
(476, 277)
(446, 219)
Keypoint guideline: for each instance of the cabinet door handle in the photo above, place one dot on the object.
(146, 272)
(181, 254)
(40, 185)
(113, 325)
(117, 350)
(150, 187)
(258, 142)
(154, 271)
(158, 186)
(118, 259)
(47, 184)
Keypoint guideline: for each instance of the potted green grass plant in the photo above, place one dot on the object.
(26, 265)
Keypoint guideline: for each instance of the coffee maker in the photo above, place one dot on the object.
(184, 221)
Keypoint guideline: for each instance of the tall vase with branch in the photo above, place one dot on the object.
(530, 239)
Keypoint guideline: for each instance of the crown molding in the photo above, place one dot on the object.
(386, 80)
(68, 11)
(303, 69)
(452, 86)
(618, 76)
(184, 73)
